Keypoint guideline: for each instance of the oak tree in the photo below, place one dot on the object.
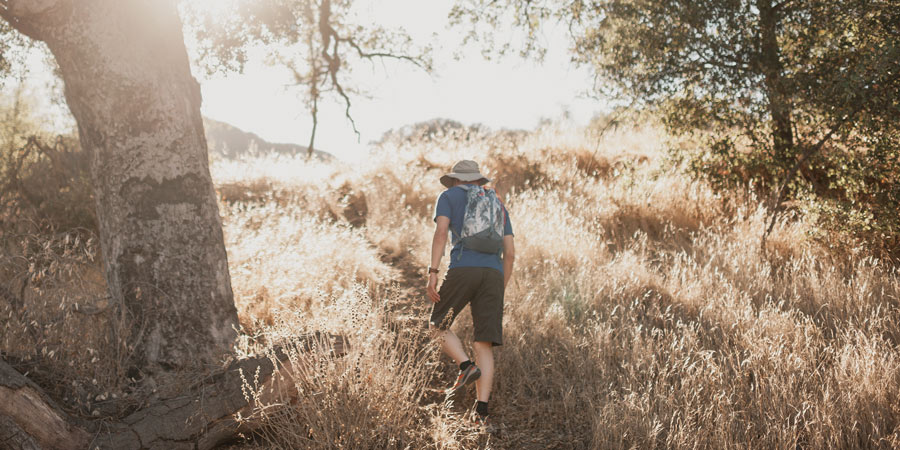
(128, 84)
(798, 98)
(129, 87)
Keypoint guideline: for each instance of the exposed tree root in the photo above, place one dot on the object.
(201, 418)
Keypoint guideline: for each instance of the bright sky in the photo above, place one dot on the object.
(507, 93)
(510, 93)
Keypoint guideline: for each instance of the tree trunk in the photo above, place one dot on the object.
(775, 84)
(128, 84)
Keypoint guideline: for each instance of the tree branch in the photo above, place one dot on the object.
(367, 55)
(807, 152)
(340, 91)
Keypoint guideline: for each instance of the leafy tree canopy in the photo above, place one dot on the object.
(799, 98)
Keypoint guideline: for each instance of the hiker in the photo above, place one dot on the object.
(481, 264)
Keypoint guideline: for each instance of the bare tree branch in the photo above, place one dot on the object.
(333, 59)
(340, 91)
(367, 55)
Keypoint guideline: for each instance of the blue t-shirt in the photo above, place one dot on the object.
(452, 204)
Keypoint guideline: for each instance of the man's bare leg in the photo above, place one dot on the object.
(451, 345)
(484, 359)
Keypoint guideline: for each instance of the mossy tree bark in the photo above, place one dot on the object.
(128, 84)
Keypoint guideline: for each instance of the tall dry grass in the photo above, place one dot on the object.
(642, 312)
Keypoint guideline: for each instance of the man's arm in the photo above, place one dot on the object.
(438, 244)
(509, 257)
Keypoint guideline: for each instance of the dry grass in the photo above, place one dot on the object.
(642, 313)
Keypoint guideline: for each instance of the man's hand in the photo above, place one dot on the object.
(432, 288)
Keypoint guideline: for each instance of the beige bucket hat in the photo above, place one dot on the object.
(465, 170)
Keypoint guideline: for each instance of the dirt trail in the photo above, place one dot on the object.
(408, 305)
(410, 311)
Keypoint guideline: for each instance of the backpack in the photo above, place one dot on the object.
(483, 221)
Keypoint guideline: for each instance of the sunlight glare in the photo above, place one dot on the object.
(216, 10)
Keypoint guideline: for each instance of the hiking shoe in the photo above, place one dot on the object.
(465, 377)
(485, 423)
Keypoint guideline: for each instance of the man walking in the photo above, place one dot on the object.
(481, 264)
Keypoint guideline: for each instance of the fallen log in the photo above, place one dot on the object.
(201, 418)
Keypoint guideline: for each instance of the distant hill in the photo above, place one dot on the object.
(232, 142)
(442, 130)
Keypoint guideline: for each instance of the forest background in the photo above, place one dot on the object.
(722, 271)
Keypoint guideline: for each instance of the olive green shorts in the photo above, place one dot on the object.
(482, 287)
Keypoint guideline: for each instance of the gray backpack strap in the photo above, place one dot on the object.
(462, 248)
